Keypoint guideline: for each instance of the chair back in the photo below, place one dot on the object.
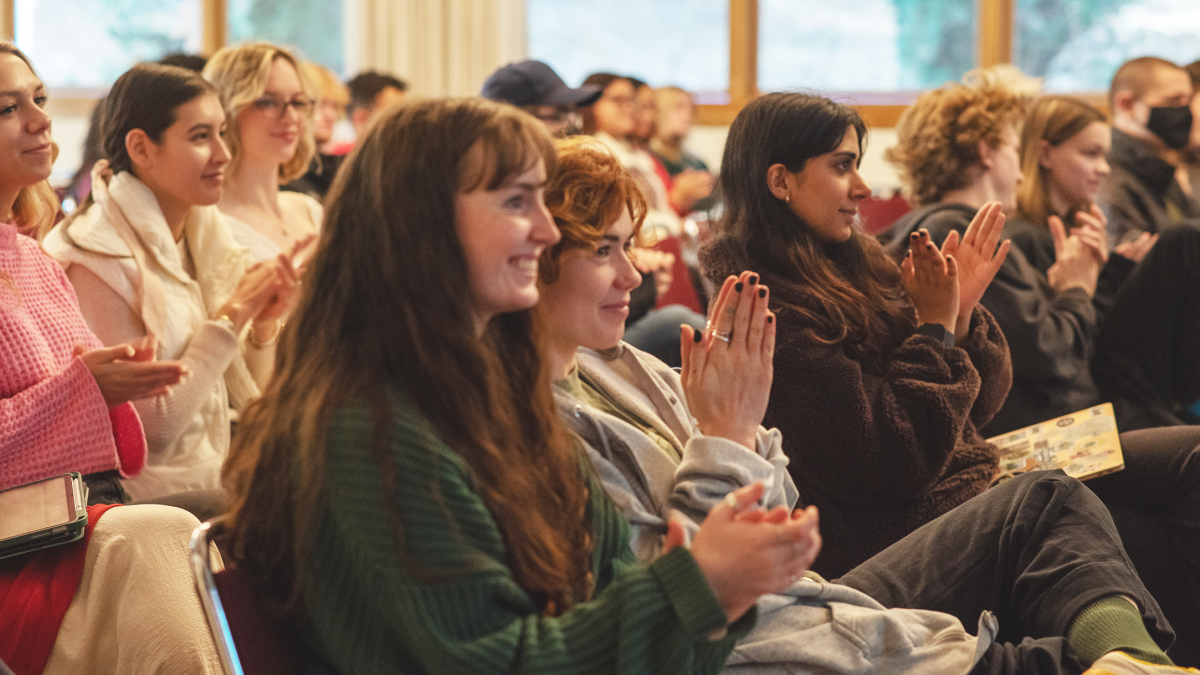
(878, 214)
(682, 292)
(249, 642)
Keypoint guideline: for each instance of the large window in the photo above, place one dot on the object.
(1077, 45)
(313, 27)
(88, 43)
(879, 45)
(682, 44)
(879, 51)
(84, 45)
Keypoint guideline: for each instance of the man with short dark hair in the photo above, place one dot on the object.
(534, 87)
(370, 91)
(1149, 187)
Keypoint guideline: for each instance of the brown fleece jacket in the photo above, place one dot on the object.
(881, 443)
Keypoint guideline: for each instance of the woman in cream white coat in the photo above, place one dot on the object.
(151, 256)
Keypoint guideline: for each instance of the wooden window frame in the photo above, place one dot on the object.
(994, 45)
(996, 20)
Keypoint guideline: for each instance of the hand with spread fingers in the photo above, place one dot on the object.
(746, 552)
(979, 255)
(727, 369)
(931, 281)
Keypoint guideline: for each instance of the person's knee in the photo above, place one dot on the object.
(135, 521)
(1039, 490)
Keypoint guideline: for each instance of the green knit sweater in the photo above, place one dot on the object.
(369, 613)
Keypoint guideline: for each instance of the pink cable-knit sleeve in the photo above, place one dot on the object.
(59, 424)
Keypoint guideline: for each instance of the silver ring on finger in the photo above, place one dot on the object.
(722, 335)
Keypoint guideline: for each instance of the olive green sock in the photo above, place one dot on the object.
(1112, 624)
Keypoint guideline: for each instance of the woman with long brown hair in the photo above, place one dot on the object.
(881, 374)
(405, 484)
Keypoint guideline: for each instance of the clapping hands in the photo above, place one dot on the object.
(128, 372)
(745, 551)
(972, 260)
(1080, 255)
(728, 368)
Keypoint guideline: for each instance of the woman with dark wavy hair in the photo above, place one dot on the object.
(882, 373)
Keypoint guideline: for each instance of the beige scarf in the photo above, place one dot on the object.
(134, 214)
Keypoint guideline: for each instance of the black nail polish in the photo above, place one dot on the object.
(770, 319)
(753, 279)
(697, 335)
(762, 292)
(739, 287)
(914, 235)
(929, 246)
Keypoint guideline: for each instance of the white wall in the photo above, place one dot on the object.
(69, 126)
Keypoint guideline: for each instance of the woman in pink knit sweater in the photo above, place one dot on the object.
(63, 398)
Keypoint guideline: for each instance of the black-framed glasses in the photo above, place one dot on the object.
(278, 106)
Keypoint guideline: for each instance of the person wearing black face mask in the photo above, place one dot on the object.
(1149, 188)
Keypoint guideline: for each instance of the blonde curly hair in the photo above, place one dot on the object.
(240, 74)
(939, 136)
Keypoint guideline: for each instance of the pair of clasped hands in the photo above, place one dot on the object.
(945, 284)
(1081, 253)
(265, 294)
(743, 550)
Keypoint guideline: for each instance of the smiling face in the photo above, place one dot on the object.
(589, 301)
(25, 148)
(825, 194)
(186, 167)
(266, 136)
(1075, 167)
(503, 231)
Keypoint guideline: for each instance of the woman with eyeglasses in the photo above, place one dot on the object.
(269, 106)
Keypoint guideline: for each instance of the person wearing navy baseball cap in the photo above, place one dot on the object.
(534, 87)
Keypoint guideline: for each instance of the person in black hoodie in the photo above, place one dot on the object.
(1149, 188)
(953, 169)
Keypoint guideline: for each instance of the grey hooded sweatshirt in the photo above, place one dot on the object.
(813, 626)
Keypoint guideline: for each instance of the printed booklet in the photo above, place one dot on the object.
(1084, 445)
